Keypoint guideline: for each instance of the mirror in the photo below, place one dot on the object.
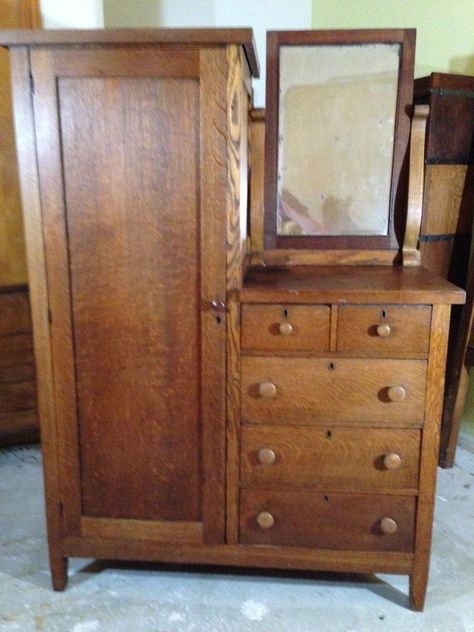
(333, 125)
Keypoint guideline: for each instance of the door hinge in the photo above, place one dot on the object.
(32, 83)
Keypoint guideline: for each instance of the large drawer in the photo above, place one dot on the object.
(285, 327)
(387, 331)
(341, 459)
(318, 390)
(328, 521)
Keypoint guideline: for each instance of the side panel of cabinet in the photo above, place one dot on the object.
(139, 366)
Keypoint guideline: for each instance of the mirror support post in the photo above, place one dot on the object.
(411, 253)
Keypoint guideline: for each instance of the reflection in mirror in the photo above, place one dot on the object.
(337, 108)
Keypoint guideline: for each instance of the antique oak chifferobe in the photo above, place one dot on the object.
(207, 396)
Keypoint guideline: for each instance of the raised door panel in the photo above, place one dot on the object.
(119, 147)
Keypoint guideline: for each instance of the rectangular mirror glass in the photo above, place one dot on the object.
(337, 128)
(337, 111)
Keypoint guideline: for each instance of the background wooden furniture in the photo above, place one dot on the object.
(447, 222)
(449, 185)
(18, 412)
(17, 424)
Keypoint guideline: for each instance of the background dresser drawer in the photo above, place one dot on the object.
(391, 330)
(318, 390)
(285, 327)
(341, 459)
(328, 521)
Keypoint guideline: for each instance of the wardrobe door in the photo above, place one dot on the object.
(123, 138)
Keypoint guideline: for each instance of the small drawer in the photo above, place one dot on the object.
(341, 459)
(344, 391)
(357, 522)
(388, 331)
(285, 327)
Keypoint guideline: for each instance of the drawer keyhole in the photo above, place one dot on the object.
(285, 313)
(329, 434)
(383, 313)
(332, 366)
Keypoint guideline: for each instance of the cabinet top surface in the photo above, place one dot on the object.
(348, 284)
(102, 37)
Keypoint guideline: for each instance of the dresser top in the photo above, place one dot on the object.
(101, 37)
(348, 284)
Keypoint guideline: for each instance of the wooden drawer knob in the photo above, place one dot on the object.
(266, 456)
(396, 393)
(392, 461)
(267, 390)
(286, 329)
(383, 331)
(388, 526)
(265, 520)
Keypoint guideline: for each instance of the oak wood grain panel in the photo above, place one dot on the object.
(429, 454)
(261, 327)
(347, 284)
(237, 100)
(38, 289)
(333, 330)
(409, 329)
(301, 257)
(131, 198)
(327, 521)
(171, 63)
(316, 391)
(340, 459)
(240, 555)
(233, 421)
(164, 532)
(54, 229)
(213, 235)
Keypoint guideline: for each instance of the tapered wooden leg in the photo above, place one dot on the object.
(418, 585)
(59, 566)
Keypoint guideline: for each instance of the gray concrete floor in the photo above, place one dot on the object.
(151, 598)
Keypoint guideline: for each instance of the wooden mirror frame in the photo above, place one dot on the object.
(398, 187)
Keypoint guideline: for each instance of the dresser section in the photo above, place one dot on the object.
(342, 459)
(397, 331)
(343, 390)
(339, 413)
(358, 522)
